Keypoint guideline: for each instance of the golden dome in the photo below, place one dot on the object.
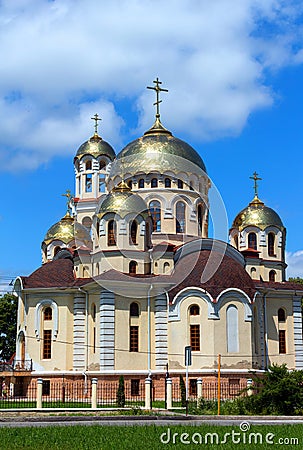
(95, 146)
(258, 215)
(159, 150)
(122, 201)
(66, 230)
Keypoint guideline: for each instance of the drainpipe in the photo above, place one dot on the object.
(86, 336)
(148, 333)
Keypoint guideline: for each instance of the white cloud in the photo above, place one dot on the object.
(61, 57)
(295, 264)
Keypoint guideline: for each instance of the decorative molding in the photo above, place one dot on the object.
(79, 332)
(43, 304)
(298, 341)
(235, 294)
(174, 308)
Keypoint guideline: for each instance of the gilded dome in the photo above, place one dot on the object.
(96, 146)
(122, 201)
(66, 230)
(159, 150)
(257, 214)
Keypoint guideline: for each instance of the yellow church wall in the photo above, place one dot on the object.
(124, 359)
(273, 303)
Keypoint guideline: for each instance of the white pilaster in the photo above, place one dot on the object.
(297, 317)
(79, 332)
(107, 330)
(161, 349)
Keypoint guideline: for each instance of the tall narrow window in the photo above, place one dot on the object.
(195, 337)
(154, 183)
(134, 387)
(48, 313)
(101, 183)
(252, 241)
(282, 341)
(133, 229)
(180, 184)
(88, 165)
(167, 182)
(133, 267)
(191, 186)
(155, 211)
(133, 338)
(93, 311)
(200, 217)
(232, 329)
(271, 244)
(134, 309)
(88, 182)
(281, 315)
(130, 184)
(236, 241)
(47, 344)
(111, 233)
(272, 276)
(180, 217)
(102, 165)
(166, 267)
(141, 183)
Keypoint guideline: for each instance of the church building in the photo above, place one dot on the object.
(130, 276)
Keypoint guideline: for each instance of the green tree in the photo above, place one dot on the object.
(279, 392)
(182, 391)
(296, 280)
(121, 392)
(8, 325)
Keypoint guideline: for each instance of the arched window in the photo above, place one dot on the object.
(180, 217)
(191, 186)
(154, 183)
(130, 184)
(101, 183)
(88, 165)
(252, 241)
(93, 335)
(271, 244)
(281, 315)
(57, 249)
(200, 217)
(232, 329)
(98, 228)
(134, 309)
(272, 275)
(88, 182)
(133, 228)
(155, 211)
(253, 273)
(236, 241)
(133, 267)
(166, 267)
(167, 182)
(180, 184)
(94, 311)
(102, 164)
(111, 233)
(48, 313)
(141, 183)
(194, 310)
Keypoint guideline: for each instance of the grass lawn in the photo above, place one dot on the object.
(98, 437)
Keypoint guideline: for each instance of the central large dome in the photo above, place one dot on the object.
(159, 150)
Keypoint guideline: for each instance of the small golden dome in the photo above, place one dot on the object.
(258, 215)
(122, 201)
(95, 146)
(159, 150)
(66, 230)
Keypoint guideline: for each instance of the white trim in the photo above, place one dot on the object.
(174, 308)
(39, 307)
(240, 295)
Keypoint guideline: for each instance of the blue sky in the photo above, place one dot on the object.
(235, 94)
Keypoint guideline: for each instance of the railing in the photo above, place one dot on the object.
(23, 365)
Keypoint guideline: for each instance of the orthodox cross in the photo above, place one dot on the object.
(157, 89)
(256, 179)
(96, 118)
(69, 197)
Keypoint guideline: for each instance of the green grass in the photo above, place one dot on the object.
(97, 437)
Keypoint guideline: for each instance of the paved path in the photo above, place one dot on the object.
(146, 420)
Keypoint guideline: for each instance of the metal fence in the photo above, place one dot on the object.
(21, 394)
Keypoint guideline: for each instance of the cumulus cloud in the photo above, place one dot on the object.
(61, 59)
(295, 264)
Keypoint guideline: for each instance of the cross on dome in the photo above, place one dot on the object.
(96, 118)
(256, 179)
(69, 197)
(157, 88)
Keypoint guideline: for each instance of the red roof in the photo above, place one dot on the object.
(284, 285)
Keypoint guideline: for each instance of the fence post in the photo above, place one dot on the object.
(94, 392)
(199, 390)
(39, 393)
(148, 393)
(249, 387)
(169, 393)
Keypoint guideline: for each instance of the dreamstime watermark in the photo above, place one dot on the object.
(242, 436)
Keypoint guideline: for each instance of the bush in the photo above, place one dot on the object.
(182, 392)
(121, 393)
